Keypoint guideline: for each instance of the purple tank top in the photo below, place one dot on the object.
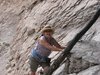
(43, 51)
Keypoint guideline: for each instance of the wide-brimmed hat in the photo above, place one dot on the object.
(47, 28)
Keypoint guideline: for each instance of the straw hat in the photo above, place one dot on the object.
(47, 28)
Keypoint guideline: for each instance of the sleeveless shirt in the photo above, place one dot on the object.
(40, 49)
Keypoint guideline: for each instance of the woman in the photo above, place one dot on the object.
(44, 46)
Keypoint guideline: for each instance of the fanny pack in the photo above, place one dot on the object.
(39, 57)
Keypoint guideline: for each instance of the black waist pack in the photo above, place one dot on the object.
(48, 60)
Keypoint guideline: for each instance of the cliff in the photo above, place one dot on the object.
(22, 20)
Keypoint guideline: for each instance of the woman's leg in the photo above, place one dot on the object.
(33, 65)
(46, 69)
(33, 73)
(45, 66)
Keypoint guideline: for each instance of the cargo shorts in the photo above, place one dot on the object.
(34, 64)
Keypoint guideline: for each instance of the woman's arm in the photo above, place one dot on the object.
(57, 44)
(44, 43)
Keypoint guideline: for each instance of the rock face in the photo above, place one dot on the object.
(22, 20)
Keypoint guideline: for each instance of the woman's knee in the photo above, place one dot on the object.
(46, 68)
(33, 73)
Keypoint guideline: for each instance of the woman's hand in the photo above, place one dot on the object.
(57, 49)
(63, 47)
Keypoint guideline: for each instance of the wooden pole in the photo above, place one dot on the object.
(67, 50)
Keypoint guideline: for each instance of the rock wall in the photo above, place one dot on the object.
(22, 20)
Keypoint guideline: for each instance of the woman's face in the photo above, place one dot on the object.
(48, 34)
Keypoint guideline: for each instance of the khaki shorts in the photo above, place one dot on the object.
(34, 64)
